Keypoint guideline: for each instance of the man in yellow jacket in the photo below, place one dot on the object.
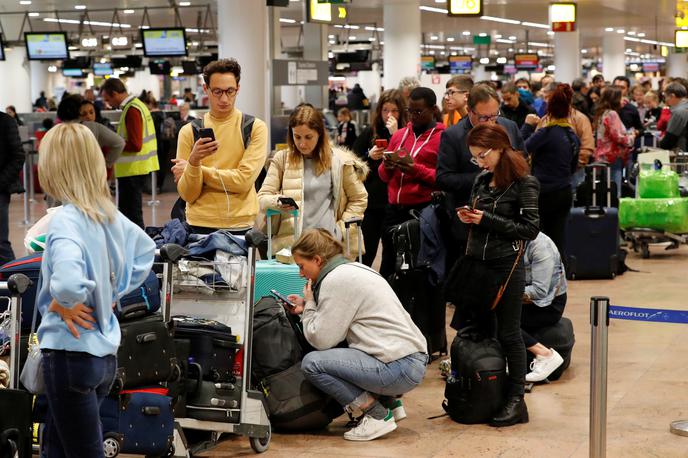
(140, 155)
(216, 176)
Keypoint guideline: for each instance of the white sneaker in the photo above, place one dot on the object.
(398, 410)
(369, 428)
(543, 366)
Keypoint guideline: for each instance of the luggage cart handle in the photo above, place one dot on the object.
(17, 284)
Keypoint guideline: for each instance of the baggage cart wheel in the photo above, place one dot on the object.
(261, 444)
(111, 446)
(645, 250)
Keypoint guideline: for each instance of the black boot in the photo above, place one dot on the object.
(514, 411)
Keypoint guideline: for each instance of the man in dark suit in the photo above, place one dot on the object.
(455, 171)
(11, 162)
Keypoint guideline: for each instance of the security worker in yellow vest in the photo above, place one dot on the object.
(140, 156)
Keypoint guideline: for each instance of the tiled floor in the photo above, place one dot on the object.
(648, 383)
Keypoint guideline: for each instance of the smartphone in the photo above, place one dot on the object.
(465, 208)
(282, 298)
(381, 143)
(288, 201)
(206, 132)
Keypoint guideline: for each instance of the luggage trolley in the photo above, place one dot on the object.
(229, 301)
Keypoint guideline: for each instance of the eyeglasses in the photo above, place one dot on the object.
(487, 118)
(452, 92)
(481, 156)
(217, 92)
(415, 112)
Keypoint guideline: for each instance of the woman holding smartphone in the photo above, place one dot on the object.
(325, 183)
(490, 280)
(390, 116)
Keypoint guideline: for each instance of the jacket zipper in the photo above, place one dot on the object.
(415, 140)
(494, 209)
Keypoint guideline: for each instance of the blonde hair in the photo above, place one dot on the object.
(71, 168)
(317, 242)
(306, 114)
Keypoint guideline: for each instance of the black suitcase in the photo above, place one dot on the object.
(476, 387)
(592, 238)
(560, 337)
(146, 354)
(212, 401)
(178, 388)
(596, 187)
(212, 346)
(15, 423)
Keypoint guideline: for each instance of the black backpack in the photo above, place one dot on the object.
(475, 389)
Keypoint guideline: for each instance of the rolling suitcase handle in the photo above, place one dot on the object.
(17, 284)
(269, 213)
(347, 225)
(594, 167)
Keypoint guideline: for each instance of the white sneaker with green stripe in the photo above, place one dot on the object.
(369, 428)
(398, 410)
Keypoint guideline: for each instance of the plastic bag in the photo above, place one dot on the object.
(658, 184)
(34, 241)
(669, 215)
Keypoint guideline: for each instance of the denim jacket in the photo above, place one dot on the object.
(545, 275)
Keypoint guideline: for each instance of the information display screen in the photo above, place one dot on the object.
(427, 62)
(46, 46)
(159, 67)
(73, 72)
(102, 69)
(460, 64)
(526, 61)
(164, 42)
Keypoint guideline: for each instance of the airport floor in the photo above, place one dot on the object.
(647, 382)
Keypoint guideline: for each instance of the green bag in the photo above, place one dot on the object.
(658, 184)
(669, 215)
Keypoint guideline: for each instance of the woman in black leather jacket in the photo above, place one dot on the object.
(503, 214)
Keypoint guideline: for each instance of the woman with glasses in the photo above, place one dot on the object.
(408, 168)
(390, 116)
(325, 182)
(489, 280)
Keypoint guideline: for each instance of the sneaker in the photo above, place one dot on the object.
(543, 366)
(445, 367)
(398, 410)
(370, 428)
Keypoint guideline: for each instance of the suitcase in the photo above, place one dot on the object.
(560, 337)
(146, 354)
(178, 389)
(212, 401)
(476, 387)
(143, 301)
(31, 267)
(138, 421)
(592, 237)
(212, 346)
(596, 188)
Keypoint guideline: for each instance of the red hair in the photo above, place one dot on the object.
(559, 102)
(512, 164)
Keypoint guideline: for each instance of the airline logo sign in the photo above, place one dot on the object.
(562, 17)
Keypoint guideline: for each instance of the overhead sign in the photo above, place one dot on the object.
(300, 72)
(478, 40)
(318, 12)
(681, 38)
(460, 64)
(464, 8)
(562, 17)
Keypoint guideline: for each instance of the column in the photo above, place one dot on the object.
(613, 58)
(567, 59)
(315, 48)
(677, 64)
(15, 90)
(402, 34)
(243, 35)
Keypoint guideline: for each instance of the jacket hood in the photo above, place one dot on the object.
(348, 157)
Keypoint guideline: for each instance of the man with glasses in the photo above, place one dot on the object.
(216, 175)
(455, 172)
(140, 155)
(629, 114)
(455, 99)
(677, 131)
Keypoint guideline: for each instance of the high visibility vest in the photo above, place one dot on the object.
(143, 162)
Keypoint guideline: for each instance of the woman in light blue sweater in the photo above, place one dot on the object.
(93, 256)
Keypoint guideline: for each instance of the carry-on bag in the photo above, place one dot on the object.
(143, 301)
(592, 236)
(476, 387)
(31, 267)
(560, 337)
(138, 421)
(597, 187)
(212, 401)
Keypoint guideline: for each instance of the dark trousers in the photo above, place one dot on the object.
(373, 219)
(209, 230)
(76, 384)
(394, 215)
(6, 253)
(554, 208)
(534, 318)
(130, 196)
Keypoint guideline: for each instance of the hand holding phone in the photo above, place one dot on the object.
(287, 203)
(206, 132)
(282, 298)
(204, 145)
(381, 143)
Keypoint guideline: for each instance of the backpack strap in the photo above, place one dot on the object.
(246, 128)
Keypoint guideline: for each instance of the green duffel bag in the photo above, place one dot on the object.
(670, 215)
(658, 184)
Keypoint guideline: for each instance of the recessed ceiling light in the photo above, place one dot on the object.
(25, 2)
(128, 11)
(450, 39)
(34, 14)
(79, 7)
(512, 37)
(352, 38)
(641, 34)
(609, 29)
(434, 38)
(483, 34)
(466, 32)
(184, 3)
(620, 31)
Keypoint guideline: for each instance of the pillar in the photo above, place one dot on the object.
(15, 90)
(567, 59)
(613, 57)
(315, 48)
(243, 35)
(677, 65)
(402, 34)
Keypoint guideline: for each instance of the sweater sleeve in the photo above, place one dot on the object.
(616, 130)
(272, 185)
(542, 267)
(190, 184)
(142, 249)
(356, 194)
(110, 142)
(327, 323)
(69, 283)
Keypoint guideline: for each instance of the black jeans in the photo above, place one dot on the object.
(554, 208)
(373, 220)
(130, 196)
(534, 318)
(6, 253)
(76, 384)
(394, 215)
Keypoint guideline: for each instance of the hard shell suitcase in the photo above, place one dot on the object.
(212, 346)
(597, 187)
(560, 337)
(592, 237)
(138, 421)
(212, 401)
(146, 354)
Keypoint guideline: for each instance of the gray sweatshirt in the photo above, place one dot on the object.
(357, 304)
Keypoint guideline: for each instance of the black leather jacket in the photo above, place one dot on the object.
(509, 216)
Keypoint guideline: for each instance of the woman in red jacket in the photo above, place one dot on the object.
(409, 166)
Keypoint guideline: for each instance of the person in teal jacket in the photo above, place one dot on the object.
(93, 256)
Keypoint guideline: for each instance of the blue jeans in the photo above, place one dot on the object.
(348, 375)
(617, 168)
(76, 384)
